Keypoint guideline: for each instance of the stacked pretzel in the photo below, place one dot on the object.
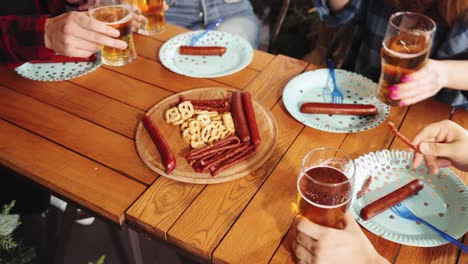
(233, 149)
(202, 122)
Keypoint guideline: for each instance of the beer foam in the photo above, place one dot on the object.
(404, 55)
(121, 21)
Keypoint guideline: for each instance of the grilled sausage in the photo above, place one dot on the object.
(391, 199)
(399, 135)
(167, 157)
(202, 50)
(246, 153)
(240, 121)
(250, 115)
(339, 109)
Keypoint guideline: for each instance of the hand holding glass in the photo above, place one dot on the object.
(325, 186)
(117, 14)
(153, 11)
(405, 49)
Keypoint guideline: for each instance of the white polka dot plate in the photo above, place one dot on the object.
(238, 55)
(356, 89)
(58, 71)
(443, 201)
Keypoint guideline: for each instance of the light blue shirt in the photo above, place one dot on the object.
(239, 17)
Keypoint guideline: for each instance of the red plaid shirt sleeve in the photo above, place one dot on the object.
(22, 37)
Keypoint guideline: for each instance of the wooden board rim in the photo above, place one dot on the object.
(267, 125)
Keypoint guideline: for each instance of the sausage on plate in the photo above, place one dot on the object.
(391, 199)
(202, 50)
(339, 109)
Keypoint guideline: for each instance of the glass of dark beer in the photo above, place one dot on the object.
(325, 186)
(405, 49)
(117, 14)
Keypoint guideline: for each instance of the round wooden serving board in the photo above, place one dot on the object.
(184, 172)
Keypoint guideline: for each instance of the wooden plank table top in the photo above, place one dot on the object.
(77, 138)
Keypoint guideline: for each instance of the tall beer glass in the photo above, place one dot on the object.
(405, 49)
(117, 14)
(325, 186)
(153, 11)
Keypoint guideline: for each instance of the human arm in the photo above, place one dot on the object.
(22, 39)
(432, 77)
(442, 144)
(322, 245)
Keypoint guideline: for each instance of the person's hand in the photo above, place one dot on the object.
(75, 34)
(323, 245)
(442, 144)
(421, 84)
(139, 20)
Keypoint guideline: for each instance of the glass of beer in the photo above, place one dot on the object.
(405, 49)
(325, 186)
(153, 11)
(117, 14)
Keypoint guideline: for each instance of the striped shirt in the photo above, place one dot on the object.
(371, 18)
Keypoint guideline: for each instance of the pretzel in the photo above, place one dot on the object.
(195, 125)
(229, 122)
(206, 132)
(216, 123)
(197, 143)
(190, 134)
(186, 109)
(204, 119)
(172, 115)
(200, 127)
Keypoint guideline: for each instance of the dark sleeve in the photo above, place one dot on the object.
(454, 47)
(22, 39)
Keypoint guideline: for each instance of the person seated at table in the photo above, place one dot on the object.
(32, 29)
(449, 53)
(442, 144)
(239, 17)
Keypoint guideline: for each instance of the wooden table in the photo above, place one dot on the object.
(76, 138)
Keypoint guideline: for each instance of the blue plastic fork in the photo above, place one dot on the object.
(336, 95)
(195, 38)
(403, 211)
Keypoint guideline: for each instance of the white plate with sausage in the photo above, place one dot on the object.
(309, 87)
(238, 55)
(443, 201)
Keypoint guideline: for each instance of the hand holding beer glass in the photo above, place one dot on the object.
(117, 14)
(405, 49)
(153, 11)
(325, 186)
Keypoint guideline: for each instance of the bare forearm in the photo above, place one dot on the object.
(455, 74)
(337, 5)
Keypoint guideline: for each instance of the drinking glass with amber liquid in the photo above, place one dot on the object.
(405, 49)
(117, 14)
(325, 186)
(153, 11)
